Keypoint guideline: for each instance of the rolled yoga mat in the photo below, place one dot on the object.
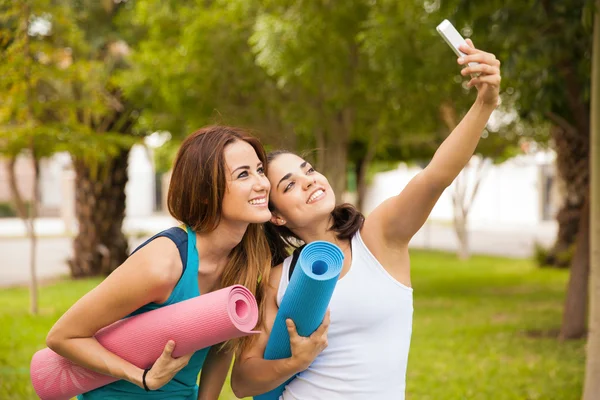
(193, 324)
(305, 301)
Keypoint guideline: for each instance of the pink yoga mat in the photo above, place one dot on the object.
(193, 324)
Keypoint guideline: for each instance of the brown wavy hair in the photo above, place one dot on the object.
(196, 192)
(346, 220)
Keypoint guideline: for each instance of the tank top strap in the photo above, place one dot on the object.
(190, 274)
(178, 236)
(284, 281)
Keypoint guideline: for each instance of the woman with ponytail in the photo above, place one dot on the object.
(360, 352)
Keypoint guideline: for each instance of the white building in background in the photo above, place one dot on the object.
(519, 192)
(57, 184)
(140, 191)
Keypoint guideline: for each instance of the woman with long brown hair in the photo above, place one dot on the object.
(219, 193)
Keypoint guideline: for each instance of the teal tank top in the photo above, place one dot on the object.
(184, 385)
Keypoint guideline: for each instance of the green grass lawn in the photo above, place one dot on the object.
(476, 332)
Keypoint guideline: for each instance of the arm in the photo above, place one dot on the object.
(213, 374)
(118, 295)
(252, 374)
(397, 219)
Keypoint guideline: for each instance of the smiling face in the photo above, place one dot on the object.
(247, 193)
(300, 195)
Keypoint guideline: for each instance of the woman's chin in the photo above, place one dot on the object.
(327, 204)
(250, 216)
(259, 216)
(322, 208)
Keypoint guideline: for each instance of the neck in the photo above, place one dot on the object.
(214, 247)
(318, 231)
(321, 231)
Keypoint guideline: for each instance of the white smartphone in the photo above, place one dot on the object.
(453, 38)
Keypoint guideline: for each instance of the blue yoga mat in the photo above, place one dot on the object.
(305, 301)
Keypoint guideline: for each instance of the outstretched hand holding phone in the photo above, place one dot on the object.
(483, 67)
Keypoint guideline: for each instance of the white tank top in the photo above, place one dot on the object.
(368, 338)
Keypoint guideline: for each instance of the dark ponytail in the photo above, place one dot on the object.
(347, 220)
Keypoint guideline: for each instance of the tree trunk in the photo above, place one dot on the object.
(448, 116)
(33, 284)
(462, 234)
(460, 216)
(335, 165)
(568, 221)
(362, 167)
(320, 136)
(100, 245)
(572, 164)
(575, 311)
(571, 142)
(591, 390)
(361, 184)
(20, 205)
(335, 156)
(462, 200)
(460, 224)
(28, 216)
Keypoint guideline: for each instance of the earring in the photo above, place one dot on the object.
(281, 222)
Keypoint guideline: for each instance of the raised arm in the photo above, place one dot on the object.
(147, 276)
(397, 219)
(252, 374)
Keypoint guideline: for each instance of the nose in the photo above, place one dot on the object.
(308, 182)
(261, 183)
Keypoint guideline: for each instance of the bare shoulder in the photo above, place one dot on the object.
(372, 234)
(153, 270)
(393, 257)
(378, 222)
(159, 262)
(275, 278)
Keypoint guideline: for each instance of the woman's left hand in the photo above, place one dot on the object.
(488, 81)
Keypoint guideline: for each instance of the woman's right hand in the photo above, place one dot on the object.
(306, 349)
(166, 367)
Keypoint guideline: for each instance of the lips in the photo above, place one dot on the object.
(316, 195)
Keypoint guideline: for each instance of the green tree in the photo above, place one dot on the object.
(36, 115)
(312, 50)
(547, 48)
(547, 51)
(20, 118)
(192, 66)
(99, 105)
(80, 111)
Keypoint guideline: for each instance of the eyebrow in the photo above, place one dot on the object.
(245, 167)
(289, 174)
